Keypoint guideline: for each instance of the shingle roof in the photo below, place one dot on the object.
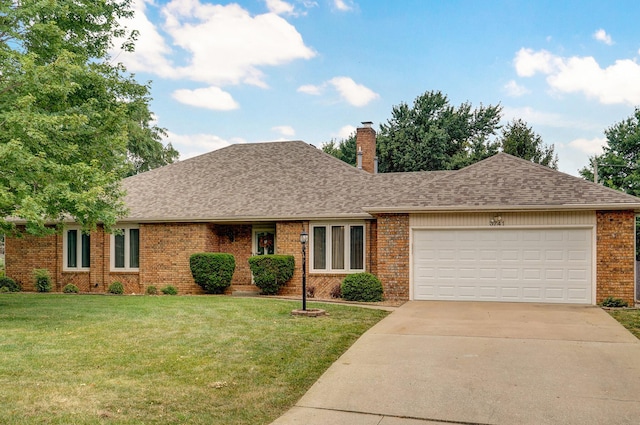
(294, 180)
(505, 182)
(249, 181)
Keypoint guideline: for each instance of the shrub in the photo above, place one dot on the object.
(336, 291)
(270, 272)
(70, 289)
(212, 270)
(9, 285)
(169, 290)
(42, 279)
(151, 290)
(116, 288)
(614, 302)
(362, 287)
(311, 291)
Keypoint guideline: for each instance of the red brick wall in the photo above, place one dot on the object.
(615, 260)
(23, 255)
(164, 255)
(366, 143)
(240, 247)
(288, 243)
(393, 255)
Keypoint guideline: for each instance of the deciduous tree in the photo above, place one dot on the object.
(72, 122)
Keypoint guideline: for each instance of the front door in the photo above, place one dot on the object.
(264, 241)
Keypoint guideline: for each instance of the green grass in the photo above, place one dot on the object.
(74, 359)
(630, 319)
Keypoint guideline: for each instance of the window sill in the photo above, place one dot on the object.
(76, 270)
(125, 271)
(335, 272)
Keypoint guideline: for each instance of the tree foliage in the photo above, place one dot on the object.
(344, 150)
(434, 135)
(72, 124)
(518, 139)
(619, 165)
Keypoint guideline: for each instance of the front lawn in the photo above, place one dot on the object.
(630, 319)
(147, 359)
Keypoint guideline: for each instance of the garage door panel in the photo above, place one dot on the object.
(555, 274)
(530, 265)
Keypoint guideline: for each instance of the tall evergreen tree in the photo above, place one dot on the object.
(518, 139)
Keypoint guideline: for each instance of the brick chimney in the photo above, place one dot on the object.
(366, 148)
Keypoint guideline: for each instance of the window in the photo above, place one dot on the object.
(125, 249)
(77, 250)
(337, 247)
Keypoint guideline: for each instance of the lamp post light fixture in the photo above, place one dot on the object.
(304, 238)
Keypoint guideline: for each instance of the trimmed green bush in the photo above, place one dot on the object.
(70, 289)
(169, 290)
(212, 270)
(9, 285)
(362, 287)
(116, 288)
(614, 302)
(42, 280)
(151, 290)
(270, 272)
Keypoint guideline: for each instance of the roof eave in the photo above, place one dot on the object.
(523, 208)
(247, 219)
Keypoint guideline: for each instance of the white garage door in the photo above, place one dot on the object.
(498, 264)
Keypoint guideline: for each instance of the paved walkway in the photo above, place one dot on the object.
(481, 363)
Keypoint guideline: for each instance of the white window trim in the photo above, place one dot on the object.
(127, 247)
(347, 249)
(65, 241)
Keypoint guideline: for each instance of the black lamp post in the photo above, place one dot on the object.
(304, 237)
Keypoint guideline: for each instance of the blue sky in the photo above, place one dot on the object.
(312, 70)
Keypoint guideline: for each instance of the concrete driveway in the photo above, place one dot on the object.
(481, 363)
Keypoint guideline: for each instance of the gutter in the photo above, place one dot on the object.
(498, 208)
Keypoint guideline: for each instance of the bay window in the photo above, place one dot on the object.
(337, 247)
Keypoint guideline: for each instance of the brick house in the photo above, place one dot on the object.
(503, 229)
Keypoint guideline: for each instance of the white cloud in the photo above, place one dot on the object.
(285, 130)
(541, 118)
(601, 35)
(616, 84)
(354, 93)
(345, 132)
(514, 89)
(151, 50)
(190, 145)
(209, 98)
(350, 91)
(311, 89)
(528, 62)
(280, 7)
(227, 45)
(589, 146)
(343, 5)
(216, 44)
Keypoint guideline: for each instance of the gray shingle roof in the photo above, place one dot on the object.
(505, 182)
(294, 180)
